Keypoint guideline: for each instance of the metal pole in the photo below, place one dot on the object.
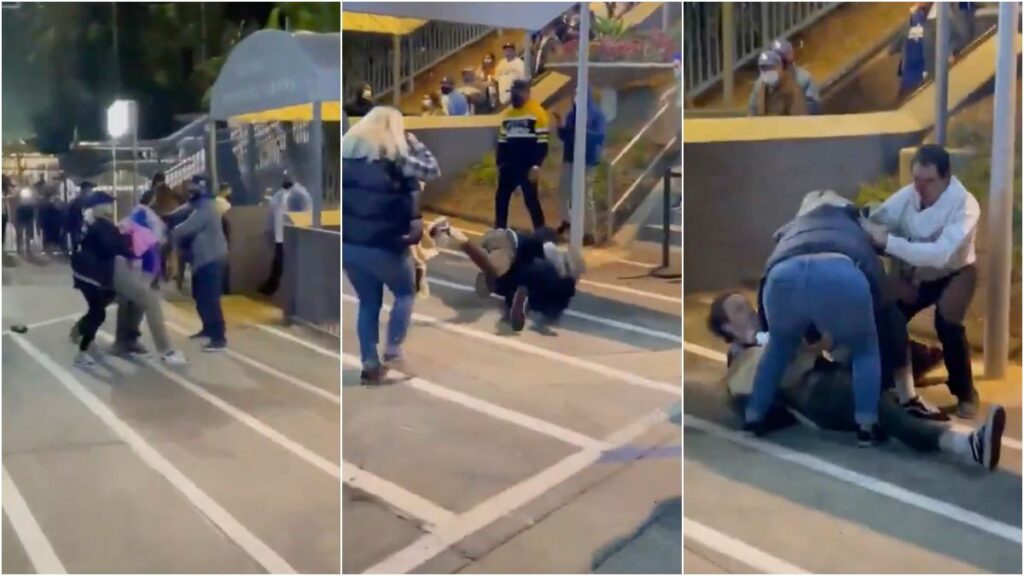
(664, 16)
(211, 155)
(396, 70)
(316, 144)
(253, 193)
(579, 159)
(113, 154)
(941, 72)
(766, 40)
(1000, 209)
(728, 53)
(666, 220)
(134, 115)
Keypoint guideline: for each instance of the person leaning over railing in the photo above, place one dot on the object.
(380, 221)
(812, 94)
(779, 93)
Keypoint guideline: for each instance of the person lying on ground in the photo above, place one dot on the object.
(531, 274)
(827, 232)
(818, 392)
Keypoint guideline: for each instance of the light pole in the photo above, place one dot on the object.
(122, 119)
(579, 161)
(1001, 193)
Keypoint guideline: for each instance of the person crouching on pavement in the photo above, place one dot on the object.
(209, 251)
(532, 275)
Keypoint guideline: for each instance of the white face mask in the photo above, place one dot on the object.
(89, 216)
(770, 78)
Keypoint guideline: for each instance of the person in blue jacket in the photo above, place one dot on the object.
(913, 68)
(596, 126)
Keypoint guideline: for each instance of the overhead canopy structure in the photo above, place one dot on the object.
(278, 76)
(526, 15)
(378, 23)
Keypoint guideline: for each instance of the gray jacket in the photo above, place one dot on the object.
(202, 229)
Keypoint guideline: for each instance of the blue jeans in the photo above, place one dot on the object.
(369, 270)
(832, 294)
(207, 289)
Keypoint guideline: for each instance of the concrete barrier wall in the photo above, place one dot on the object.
(250, 251)
(739, 193)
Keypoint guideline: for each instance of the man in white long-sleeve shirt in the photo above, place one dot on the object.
(291, 197)
(929, 228)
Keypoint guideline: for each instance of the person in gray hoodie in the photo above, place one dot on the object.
(209, 250)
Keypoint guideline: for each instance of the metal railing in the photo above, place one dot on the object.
(755, 24)
(370, 58)
(665, 270)
(667, 103)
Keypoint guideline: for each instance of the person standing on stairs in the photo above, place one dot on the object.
(595, 146)
(522, 147)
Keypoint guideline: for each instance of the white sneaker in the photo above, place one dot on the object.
(84, 360)
(173, 358)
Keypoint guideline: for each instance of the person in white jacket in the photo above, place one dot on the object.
(929, 228)
(509, 70)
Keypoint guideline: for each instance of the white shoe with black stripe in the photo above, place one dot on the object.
(987, 440)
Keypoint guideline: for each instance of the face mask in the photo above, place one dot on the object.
(446, 90)
(89, 216)
(770, 78)
(367, 94)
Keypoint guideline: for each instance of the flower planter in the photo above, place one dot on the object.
(612, 77)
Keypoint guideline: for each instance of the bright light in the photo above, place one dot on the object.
(119, 118)
(26, 194)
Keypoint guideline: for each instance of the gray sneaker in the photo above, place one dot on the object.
(84, 360)
(968, 408)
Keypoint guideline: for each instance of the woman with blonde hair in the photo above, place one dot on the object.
(380, 222)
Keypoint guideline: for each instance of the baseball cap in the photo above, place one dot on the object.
(783, 48)
(769, 58)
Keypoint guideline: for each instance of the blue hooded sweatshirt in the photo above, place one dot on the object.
(913, 65)
(595, 133)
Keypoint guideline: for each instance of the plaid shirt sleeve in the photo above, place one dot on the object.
(420, 163)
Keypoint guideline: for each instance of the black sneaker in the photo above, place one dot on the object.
(918, 409)
(562, 228)
(987, 440)
(214, 347)
(517, 313)
(757, 427)
(198, 335)
(374, 375)
(420, 273)
(872, 437)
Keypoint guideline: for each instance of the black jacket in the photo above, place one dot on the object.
(93, 263)
(378, 205)
(823, 230)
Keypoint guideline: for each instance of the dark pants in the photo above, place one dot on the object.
(508, 180)
(5, 230)
(25, 227)
(893, 341)
(951, 297)
(207, 288)
(51, 223)
(549, 293)
(97, 299)
(269, 288)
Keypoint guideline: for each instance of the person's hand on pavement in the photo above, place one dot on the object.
(534, 174)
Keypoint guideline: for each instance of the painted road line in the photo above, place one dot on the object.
(519, 346)
(296, 340)
(203, 503)
(898, 493)
(244, 359)
(506, 502)
(40, 552)
(47, 322)
(584, 282)
(492, 410)
(762, 562)
(717, 356)
(243, 417)
(581, 315)
(406, 503)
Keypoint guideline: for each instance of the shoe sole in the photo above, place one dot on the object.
(994, 426)
(517, 315)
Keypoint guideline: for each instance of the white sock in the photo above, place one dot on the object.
(957, 443)
(904, 384)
